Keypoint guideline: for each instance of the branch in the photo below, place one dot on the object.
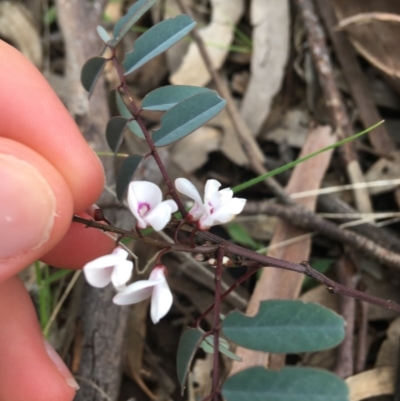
(262, 260)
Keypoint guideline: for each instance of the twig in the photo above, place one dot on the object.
(345, 354)
(333, 99)
(308, 220)
(365, 18)
(265, 260)
(217, 323)
(362, 337)
(355, 79)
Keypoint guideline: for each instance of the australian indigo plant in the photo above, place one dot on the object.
(280, 326)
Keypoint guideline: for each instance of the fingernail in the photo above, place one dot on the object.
(62, 368)
(27, 207)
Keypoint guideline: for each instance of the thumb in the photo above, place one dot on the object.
(35, 207)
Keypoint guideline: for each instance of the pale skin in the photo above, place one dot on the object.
(47, 173)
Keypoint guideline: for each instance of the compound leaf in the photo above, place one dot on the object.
(187, 347)
(285, 326)
(126, 22)
(187, 116)
(91, 72)
(156, 40)
(133, 125)
(114, 132)
(126, 172)
(166, 97)
(288, 384)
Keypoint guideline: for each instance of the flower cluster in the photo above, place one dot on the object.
(219, 206)
(146, 204)
(115, 268)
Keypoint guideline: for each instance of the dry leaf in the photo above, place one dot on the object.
(372, 383)
(218, 36)
(374, 38)
(389, 352)
(293, 129)
(271, 27)
(191, 152)
(17, 26)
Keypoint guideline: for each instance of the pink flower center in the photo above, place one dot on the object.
(210, 208)
(143, 208)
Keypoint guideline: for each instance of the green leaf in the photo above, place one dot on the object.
(114, 132)
(288, 384)
(187, 347)
(156, 40)
(126, 172)
(285, 326)
(166, 97)
(239, 234)
(187, 116)
(91, 72)
(208, 346)
(105, 37)
(125, 23)
(133, 125)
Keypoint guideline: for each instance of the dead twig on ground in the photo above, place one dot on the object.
(333, 99)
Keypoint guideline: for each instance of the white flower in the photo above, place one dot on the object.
(113, 268)
(155, 287)
(219, 207)
(145, 202)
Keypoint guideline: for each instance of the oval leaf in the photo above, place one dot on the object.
(133, 125)
(125, 175)
(91, 72)
(156, 40)
(288, 384)
(187, 116)
(166, 97)
(126, 22)
(187, 347)
(208, 346)
(114, 132)
(105, 37)
(285, 326)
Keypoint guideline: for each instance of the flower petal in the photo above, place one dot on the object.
(122, 274)
(161, 301)
(140, 192)
(172, 204)
(236, 205)
(135, 292)
(226, 195)
(223, 214)
(185, 187)
(211, 188)
(159, 217)
(98, 278)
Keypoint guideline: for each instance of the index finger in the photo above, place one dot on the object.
(33, 115)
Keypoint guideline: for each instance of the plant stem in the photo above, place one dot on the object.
(153, 149)
(217, 323)
(248, 254)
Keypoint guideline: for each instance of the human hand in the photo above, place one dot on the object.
(47, 173)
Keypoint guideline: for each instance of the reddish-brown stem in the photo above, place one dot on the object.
(217, 323)
(135, 111)
(263, 260)
(239, 281)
